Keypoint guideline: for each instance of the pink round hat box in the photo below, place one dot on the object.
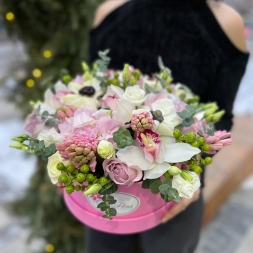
(137, 210)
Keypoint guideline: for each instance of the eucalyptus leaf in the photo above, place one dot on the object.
(155, 186)
(177, 199)
(112, 211)
(146, 184)
(188, 122)
(52, 148)
(200, 133)
(38, 110)
(45, 114)
(160, 63)
(209, 131)
(167, 181)
(41, 144)
(47, 152)
(50, 122)
(37, 153)
(164, 188)
(149, 89)
(123, 137)
(190, 108)
(101, 204)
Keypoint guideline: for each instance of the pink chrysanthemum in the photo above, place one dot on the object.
(79, 149)
(67, 111)
(218, 141)
(142, 121)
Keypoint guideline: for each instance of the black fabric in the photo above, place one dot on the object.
(186, 35)
(189, 39)
(179, 235)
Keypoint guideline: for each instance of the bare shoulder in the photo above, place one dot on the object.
(106, 8)
(231, 22)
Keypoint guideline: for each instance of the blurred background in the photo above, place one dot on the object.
(33, 217)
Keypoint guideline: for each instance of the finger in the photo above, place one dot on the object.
(177, 208)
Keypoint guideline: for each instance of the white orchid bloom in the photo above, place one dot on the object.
(134, 156)
(168, 120)
(50, 103)
(123, 110)
(60, 86)
(50, 136)
(171, 152)
(174, 152)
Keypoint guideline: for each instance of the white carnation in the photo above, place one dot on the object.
(185, 188)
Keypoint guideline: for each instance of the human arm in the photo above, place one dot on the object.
(105, 9)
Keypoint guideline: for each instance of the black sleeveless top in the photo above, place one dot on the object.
(189, 39)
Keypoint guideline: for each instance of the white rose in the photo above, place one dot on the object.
(105, 149)
(185, 188)
(52, 167)
(50, 136)
(135, 95)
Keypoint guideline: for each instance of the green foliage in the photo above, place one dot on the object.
(149, 89)
(187, 115)
(104, 61)
(163, 187)
(108, 200)
(209, 131)
(40, 149)
(61, 27)
(123, 137)
(155, 186)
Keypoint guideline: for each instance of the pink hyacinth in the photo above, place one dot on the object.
(218, 141)
(67, 111)
(79, 149)
(142, 121)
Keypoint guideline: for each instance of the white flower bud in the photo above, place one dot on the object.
(105, 149)
(174, 171)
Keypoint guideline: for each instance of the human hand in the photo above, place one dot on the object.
(181, 206)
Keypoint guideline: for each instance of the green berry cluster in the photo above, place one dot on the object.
(78, 179)
(192, 139)
(198, 142)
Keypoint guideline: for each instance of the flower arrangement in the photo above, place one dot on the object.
(108, 128)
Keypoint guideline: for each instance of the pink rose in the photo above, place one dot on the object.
(120, 172)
